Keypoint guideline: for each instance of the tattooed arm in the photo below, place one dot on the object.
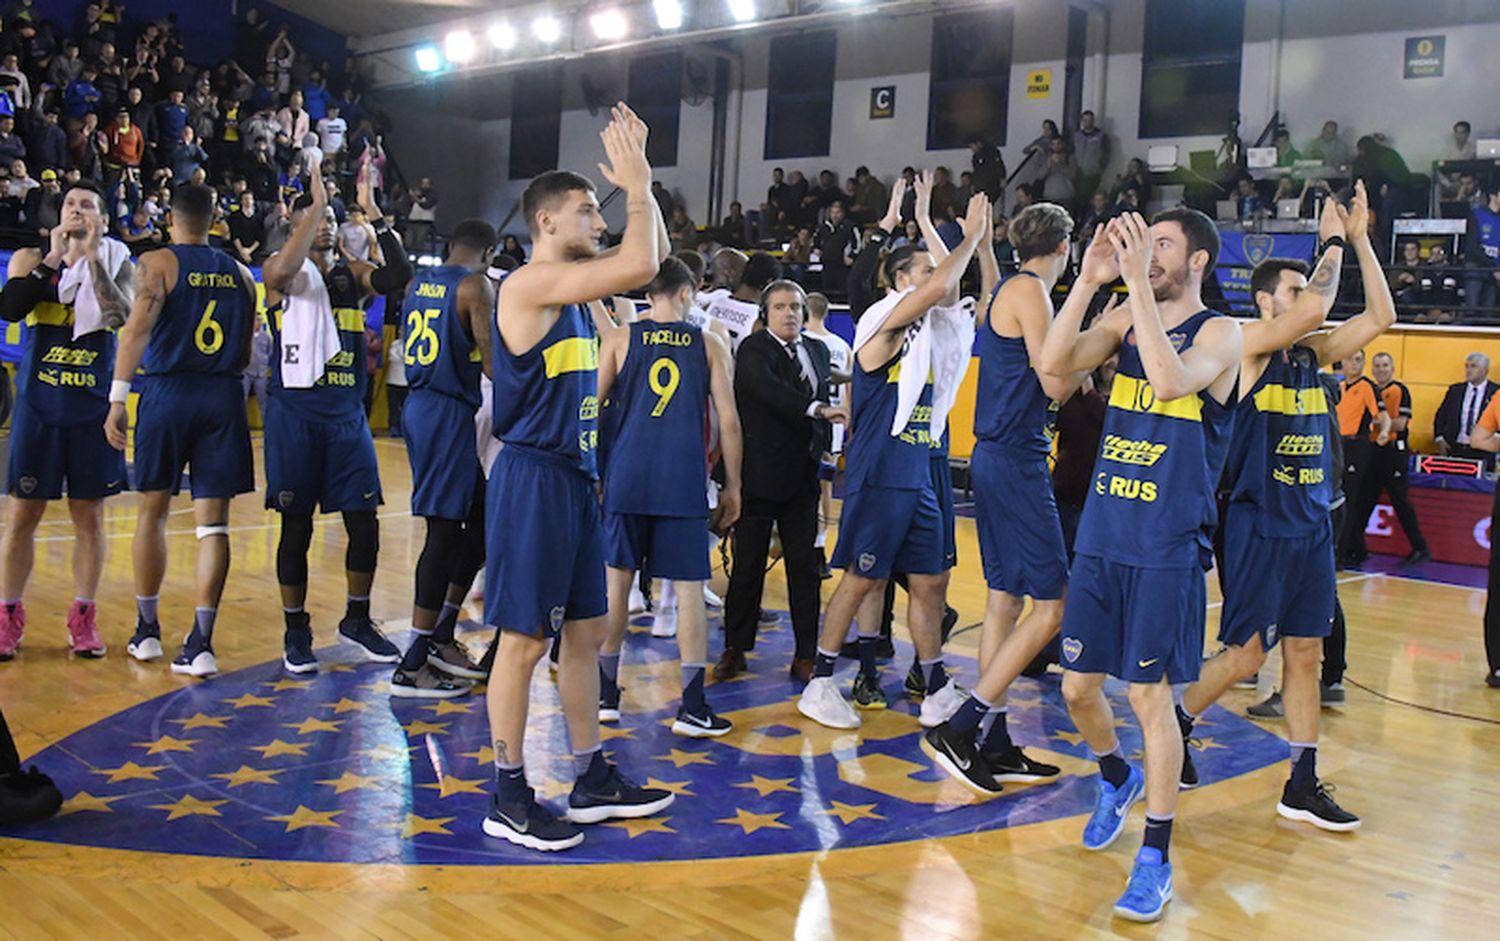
(1380, 310)
(114, 294)
(1313, 302)
(154, 277)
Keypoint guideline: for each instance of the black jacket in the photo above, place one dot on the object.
(1449, 419)
(782, 445)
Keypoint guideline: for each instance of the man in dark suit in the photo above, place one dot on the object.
(1461, 408)
(781, 385)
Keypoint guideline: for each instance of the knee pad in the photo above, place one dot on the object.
(291, 551)
(364, 541)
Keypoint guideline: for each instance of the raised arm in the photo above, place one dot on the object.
(1380, 308)
(949, 272)
(150, 294)
(281, 268)
(935, 243)
(392, 270)
(1263, 337)
(1069, 348)
(731, 442)
(1217, 348)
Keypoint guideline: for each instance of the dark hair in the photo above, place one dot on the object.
(545, 191)
(695, 262)
(474, 234)
(1463, 124)
(906, 170)
(864, 170)
(780, 284)
(304, 201)
(88, 186)
(670, 278)
(1267, 275)
(760, 270)
(899, 260)
(1201, 233)
(195, 202)
(1282, 132)
(1038, 229)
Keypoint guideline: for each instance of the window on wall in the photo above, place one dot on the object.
(799, 95)
(655, 92)
(535, 120)
(970, 79)
(1190, 66)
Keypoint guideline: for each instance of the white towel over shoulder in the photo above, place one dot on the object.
(939, 343)
(308, 330)
(76, 286)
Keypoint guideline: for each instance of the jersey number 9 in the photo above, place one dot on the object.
(666, 387)
(419, 331)
(209, 336)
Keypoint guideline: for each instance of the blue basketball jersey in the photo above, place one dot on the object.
(340, 394)
(206, 320)
(1011, 408)
(66, 381)
(1279, 461)
(874, 456)
(1151, 504)
(440, 355)
(658, 456)
(547, 398)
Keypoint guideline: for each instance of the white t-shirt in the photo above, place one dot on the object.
(841, 358)
(331, 132)
(737, 316)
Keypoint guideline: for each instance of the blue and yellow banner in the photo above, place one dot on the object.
(1240, 252)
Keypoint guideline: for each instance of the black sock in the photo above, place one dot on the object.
(442, 632)
(995, 737)
(416, 654)
(296, 619)
(1158, 835)
(1114, 767)
(866, 647)
(1185, 721)
(824, 663)
(358, 609)
(510, 782)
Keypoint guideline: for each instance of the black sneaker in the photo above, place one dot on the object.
(1417, 556)
(487, 662)
(950, 621)
(1189, 779)
(885, 648)
(867, 692)
(1331, 694)
(145, 643)
(767, 618)
(529, 824)
(1315, 805)
(702, 724)
(27, 797)
(1268, 709)
(1013, 766)
(196, 657)
(957, 755)
(915, 684)
(296, 644)
(426, 683)
(617, 797)
(453, 658)
(376, 648)
(1492, 679)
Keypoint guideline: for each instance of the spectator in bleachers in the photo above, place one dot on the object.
(1090, 146)
(259, 130)
(247, 233)
(1057, 182)
(1459, 146)
(142, 70)
(49, 142)
(682, 232)
(732, 231)
(263, 94)
(12, 148)
(511, 247)
(819, 198)
(777, 208)
(1097, 213)
(81, 96)
(43, 208)
(944, 194)
(187, 156)
(837, 241)
(279, 57)
(1407, 278)
(1036, 154)
(1005, 252)
(177, 78)
(911, 234)
(949, 231)
(1135, 177)
(870, 197)
(139, 232)
(110, 79)
(909, 199)
(253, 37)
(171, 118)
(965, 190)
(66, 68)
(798, 254)
(1247, 197)
(1328, 147)
(332, 130)
(1286, 154)
(315, 96)
(293, 118)
(124, 144)
(357, 239)
(1482, 257)
(14, 82)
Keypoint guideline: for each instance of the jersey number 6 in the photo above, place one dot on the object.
(209, 335)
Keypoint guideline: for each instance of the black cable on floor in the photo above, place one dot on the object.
(1415, 705)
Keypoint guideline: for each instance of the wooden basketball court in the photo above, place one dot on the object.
(155, 841)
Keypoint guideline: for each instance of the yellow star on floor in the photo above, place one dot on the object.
(383, 752)
(130, 771)
(447, 707)
(765, 786)
(248, 700)
(551, 789)
(484, 756)
(348, 781)
(608, 733)
(190, 806)
(200, 721)
(166, 743)
(281, 686)
(278, 747)
(336, 667)
(414, 825)
(306, 817)
(448, 785)
(248, 775)
(83, 801)
(642, 825)
(380, 687)
(750, 822)
(849, 813)
(684, 758)
(423, 727)
(346, 705)
(310, 725)
(1204, 744)
(680, 788)
(1072, 738)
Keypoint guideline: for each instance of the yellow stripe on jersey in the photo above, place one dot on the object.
(575, 354)
(475, 356)
(51, 314)
(894, 375)
(1287, 400)
(350, 319)
(12, 334)
(1136, 395)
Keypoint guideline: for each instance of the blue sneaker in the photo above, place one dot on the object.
(1108, 821)
(297, 648)
(1148, 891)
(376, 648)
(196, 658)
(616, 798)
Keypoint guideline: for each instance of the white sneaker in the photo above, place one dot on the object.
(941, 705)
(199, 664)
(823, 703)
(637, 600)
(664, 623)
(711, 599)
(145, 649)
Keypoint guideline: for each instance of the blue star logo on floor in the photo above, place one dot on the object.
(256, 764)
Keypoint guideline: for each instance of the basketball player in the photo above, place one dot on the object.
(62, 393)
(730, 301)
(1136, 610)
(447, 343)
(891, 519)
(192, 324)
(1278, 542)
(545, 545)
(839, 356)
(318, 446)
(1020, 533)
(659, 373)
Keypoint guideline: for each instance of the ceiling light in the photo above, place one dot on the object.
(609, 25)
(502, 36)
(668, 14)
(428, 59)
(459, 46)
(546, 29)
(743, 11)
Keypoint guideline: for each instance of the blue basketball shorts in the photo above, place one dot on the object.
(1136, 624)
(197, 422)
